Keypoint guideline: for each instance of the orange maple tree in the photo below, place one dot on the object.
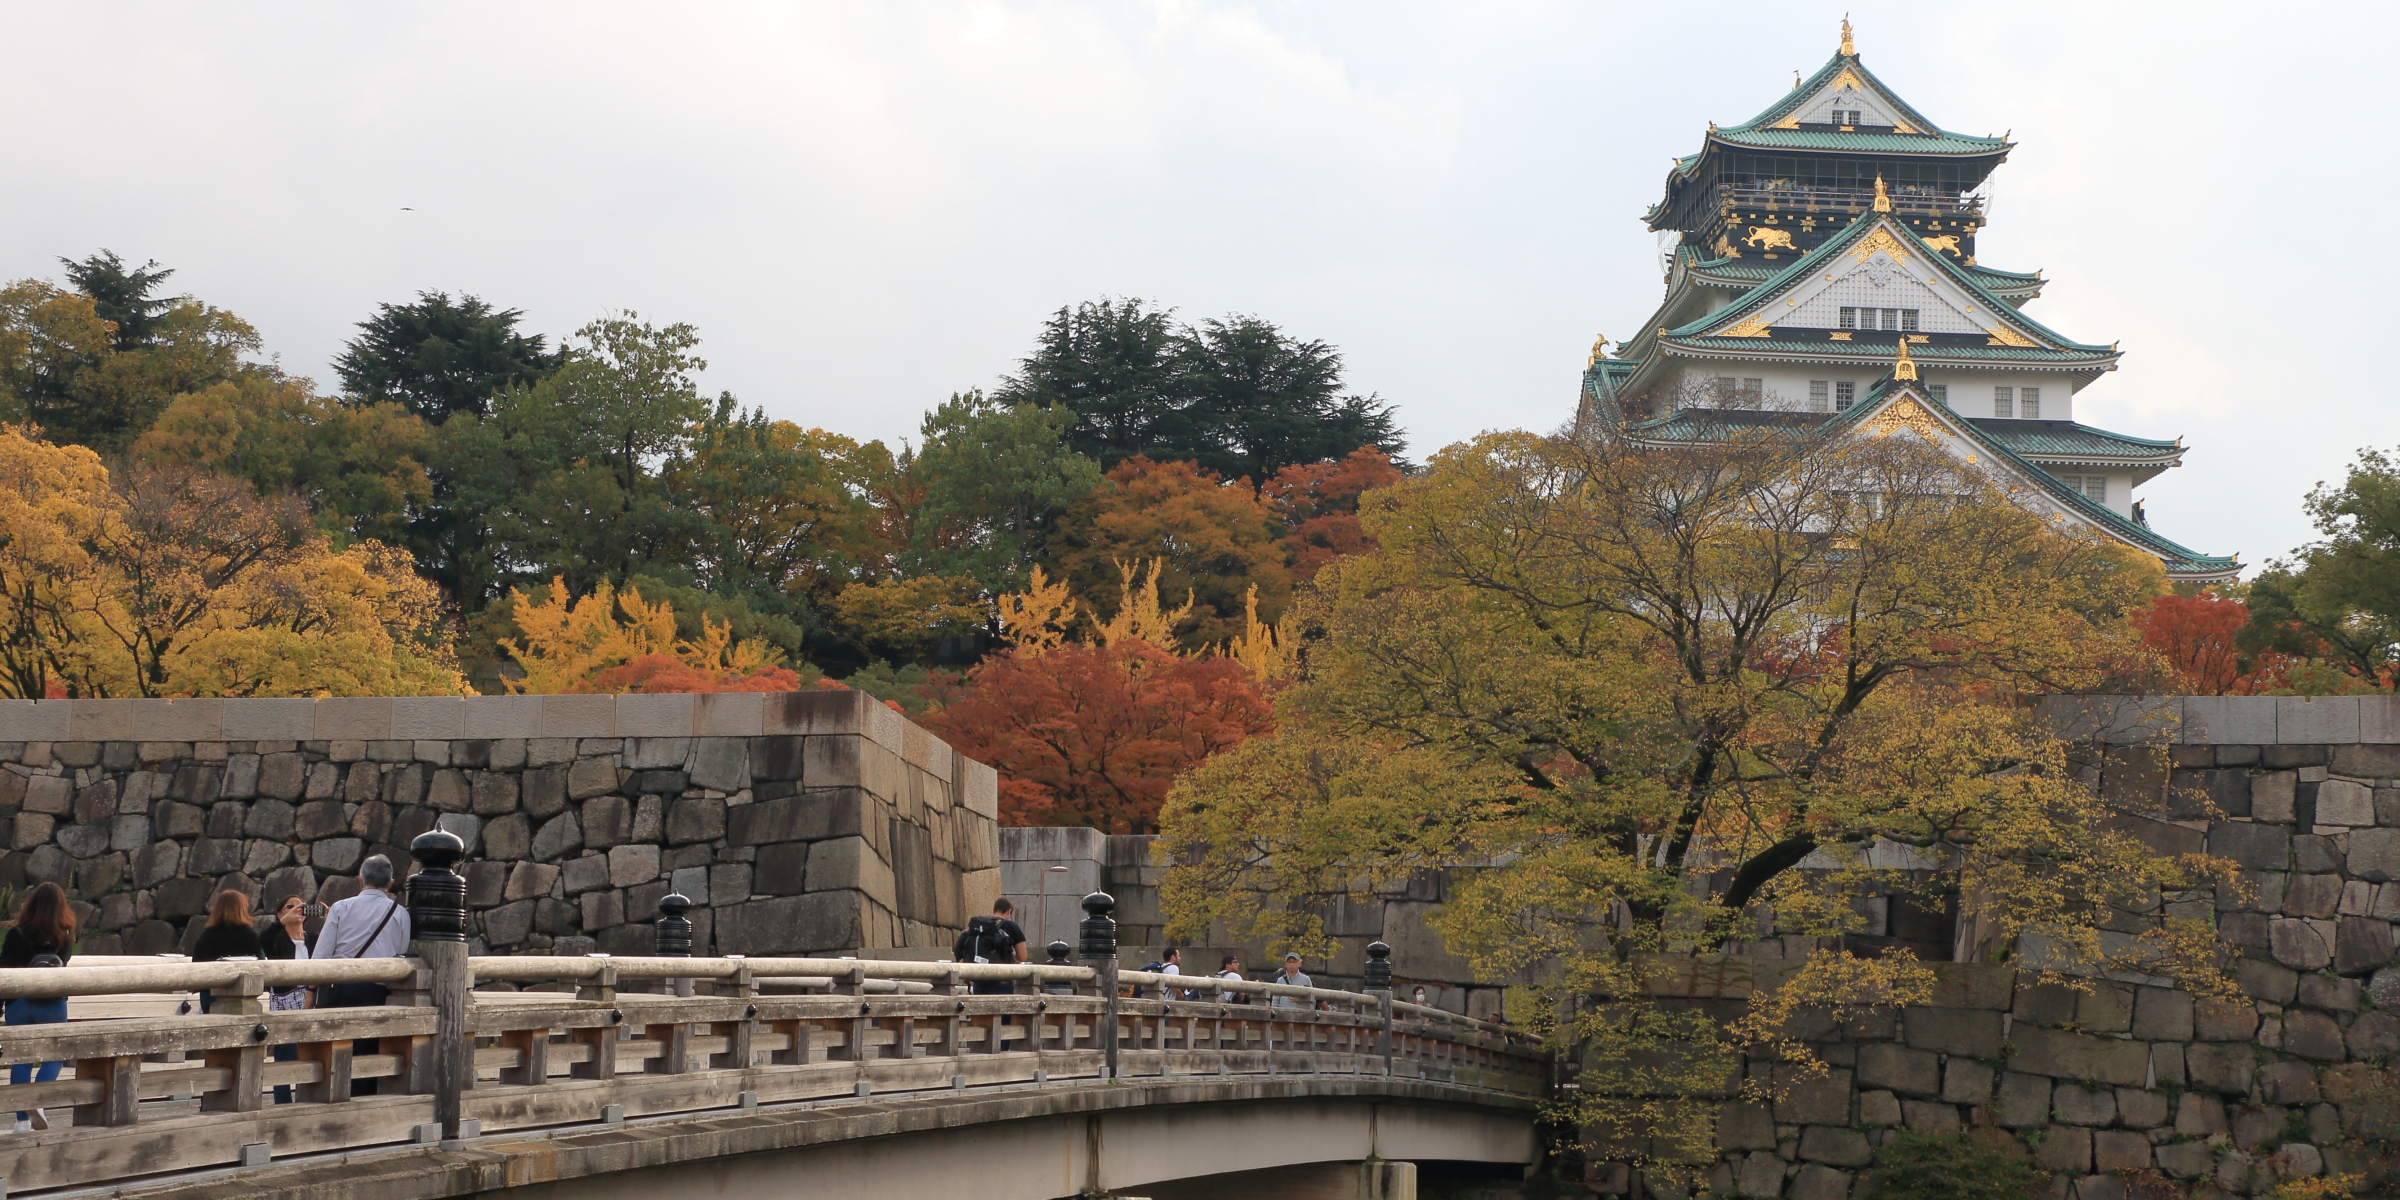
(1212, 541)
(2195, 635)
(1095, 735)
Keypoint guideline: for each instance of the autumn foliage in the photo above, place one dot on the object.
(2195, 635)
(612, 642)
(1096, 735)
(1318, 504)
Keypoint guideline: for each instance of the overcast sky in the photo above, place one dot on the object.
(864, 208)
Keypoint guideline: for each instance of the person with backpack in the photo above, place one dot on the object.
(43, 936)
(371, 924)
(1170, 964)
(1231, 968)
(992, 939)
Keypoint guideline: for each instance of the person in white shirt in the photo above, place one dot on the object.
(371, 924)
(1231, 968)
(1172, 964)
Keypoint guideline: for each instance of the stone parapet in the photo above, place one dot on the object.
(801, 822)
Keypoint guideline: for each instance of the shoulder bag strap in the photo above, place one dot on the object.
(371, 935)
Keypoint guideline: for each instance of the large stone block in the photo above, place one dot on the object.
(1835, 1146)
(2306, 720)
(1974, 1033)
(656, 716)
(585, 873)
(2117, 1150)
(2221, 1067)
(528, 881)
(2361, 944)
(2063, 1055)
(850, 863)
(2341, 802)
(813, 923)
(590, 777)
(2313, 1035)
(2162, 1014)
(508, 924)
(2312, 895)
(1745, 1127)
(2375, 854)
(2273, 796)
(730, 714)
(1899, 1069)
(557, 837)
(1417, 951)
(695, 819)
(720, 764)
(2296, 943)
(493, 793)
(2074, 1104)
(809, 816)
(2266, 847)
(631, 865)
(508, 837)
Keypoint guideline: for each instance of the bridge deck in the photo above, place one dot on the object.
(552, 1078)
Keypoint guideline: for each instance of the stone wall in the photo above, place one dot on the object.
(797, 823)
(2132, 1089)
(1122, 865)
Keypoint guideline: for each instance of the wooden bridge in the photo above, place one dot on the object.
(629, 1075)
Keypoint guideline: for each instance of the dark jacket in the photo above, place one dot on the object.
(226, 941)
(18, 949)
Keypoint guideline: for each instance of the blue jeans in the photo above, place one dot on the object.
(35, 1012)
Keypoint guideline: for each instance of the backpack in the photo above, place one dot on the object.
(1155, 967)
(980, 942)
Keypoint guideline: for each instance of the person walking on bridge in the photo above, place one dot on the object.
(992, 939)
(43, 936)
(1291, 976)
(371, 924)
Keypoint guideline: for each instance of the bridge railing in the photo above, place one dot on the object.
(470, 1046)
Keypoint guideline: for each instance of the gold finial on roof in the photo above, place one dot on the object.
(1849, 48)
(1795, 80)
(1883, 199)
(1599, 349)
(1905, 367)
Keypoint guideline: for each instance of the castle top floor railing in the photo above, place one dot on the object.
(468, 1046)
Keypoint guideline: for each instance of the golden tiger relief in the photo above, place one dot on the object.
(1947, 243)
(1770, 239)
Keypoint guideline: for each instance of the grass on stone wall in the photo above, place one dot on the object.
(1937, 1166)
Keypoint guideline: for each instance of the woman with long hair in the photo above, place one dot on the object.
(42, 936)
(229, 934)
(287, 938)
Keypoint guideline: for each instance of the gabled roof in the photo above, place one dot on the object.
(1778, 127)
(2181, 561)
(1915, 133)
(1751, 316)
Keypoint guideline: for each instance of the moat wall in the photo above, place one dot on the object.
(798, 822)
(2131, 1089)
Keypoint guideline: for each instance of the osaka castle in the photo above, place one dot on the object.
(1823, 277)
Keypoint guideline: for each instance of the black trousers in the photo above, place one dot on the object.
(357, 995)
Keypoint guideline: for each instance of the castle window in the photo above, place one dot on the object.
(1844, 393)
(2029, 403)
(1908, 320)
(2096, 487)
(2004, 402)
(1850, 318)
(1940, 392)
(1820, 397)
(1753, 392)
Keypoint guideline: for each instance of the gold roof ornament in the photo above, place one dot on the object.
(1883, 199)
(1849, 48)
(1904, 367)
(1599, 349)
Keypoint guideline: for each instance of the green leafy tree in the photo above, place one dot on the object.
(1236, 394)
(440, 356)
(361, 469)
(995, 481)
(2337, 601)
(122, 295)
(1264, 400)
(1114, 364)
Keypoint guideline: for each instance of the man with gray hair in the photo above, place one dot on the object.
(371, 924)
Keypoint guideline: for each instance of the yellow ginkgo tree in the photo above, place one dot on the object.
(573, 644)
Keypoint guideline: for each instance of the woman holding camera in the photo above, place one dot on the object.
(43, 936)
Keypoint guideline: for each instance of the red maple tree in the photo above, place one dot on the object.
(1318, 504)
(1086, 735)
(2195, 635)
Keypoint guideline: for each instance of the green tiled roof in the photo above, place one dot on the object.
(2068, 439)
(1699, 425)
(1841, 241)
(2178, 558)
(1790, 102)
(1858, 141)
(1773, 345)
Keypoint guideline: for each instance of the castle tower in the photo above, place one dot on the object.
(1818, 239)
